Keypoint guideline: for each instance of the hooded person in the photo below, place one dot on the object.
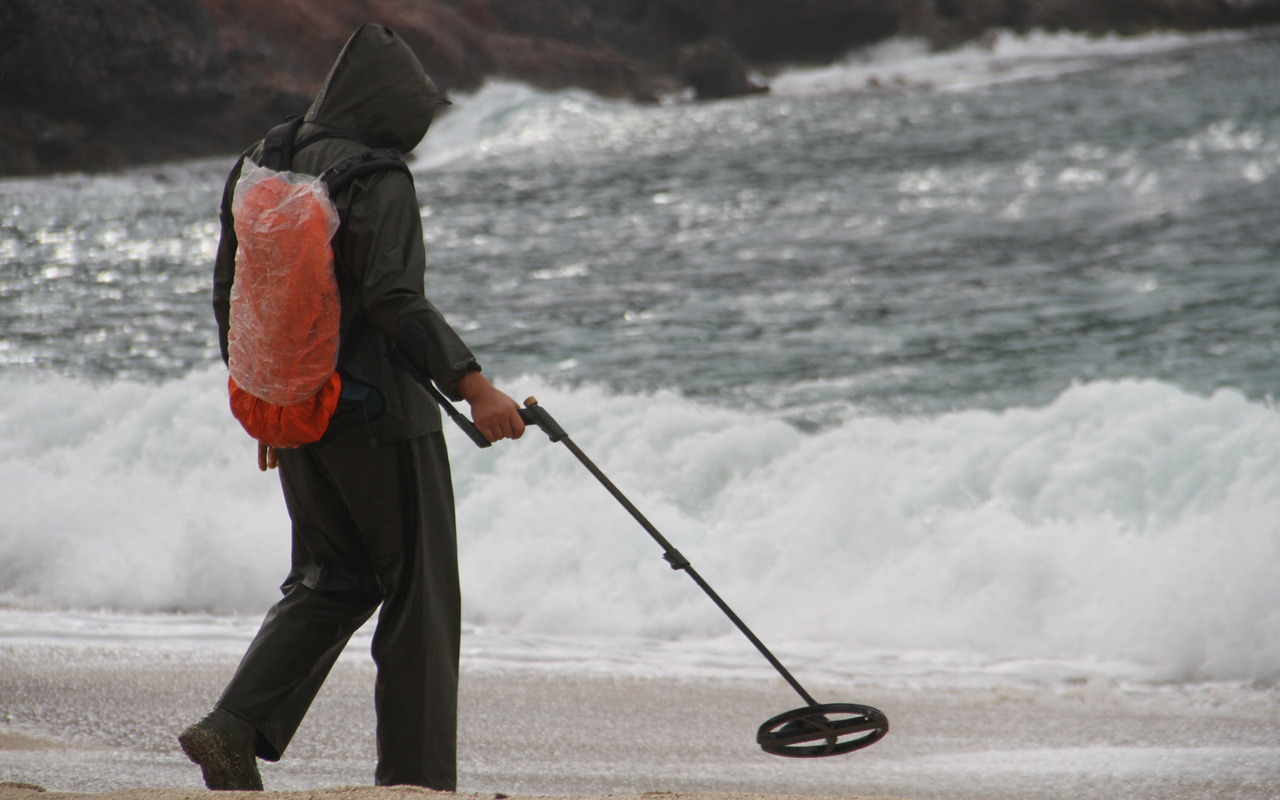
(371, 503)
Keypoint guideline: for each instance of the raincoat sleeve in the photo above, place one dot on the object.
(383, 250)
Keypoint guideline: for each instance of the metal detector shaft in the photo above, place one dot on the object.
(535, 414)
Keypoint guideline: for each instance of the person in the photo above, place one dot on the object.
(371, 503)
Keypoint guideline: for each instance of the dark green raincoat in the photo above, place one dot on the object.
(371, 504)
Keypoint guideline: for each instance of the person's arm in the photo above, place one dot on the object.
(382, 249)
(495, 414)
(224, 265)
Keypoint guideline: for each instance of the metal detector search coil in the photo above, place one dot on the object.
(817, 730)
(792, 733)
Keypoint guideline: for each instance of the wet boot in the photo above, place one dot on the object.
(223, 745)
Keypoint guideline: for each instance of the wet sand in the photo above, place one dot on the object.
(103, 720)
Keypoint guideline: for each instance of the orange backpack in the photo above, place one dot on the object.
(285, 305)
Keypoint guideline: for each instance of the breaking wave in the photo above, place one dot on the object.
(1125, 520)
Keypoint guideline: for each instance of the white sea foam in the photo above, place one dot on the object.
(1004, 57)
(1128, 521)
(507, 118)
(132, 496)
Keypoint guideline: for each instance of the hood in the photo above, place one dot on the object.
(377, 90)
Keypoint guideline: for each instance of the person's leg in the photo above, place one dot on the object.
(288, 661)
(416, 644)
(330, 592)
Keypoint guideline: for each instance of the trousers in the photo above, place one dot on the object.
(372, 526)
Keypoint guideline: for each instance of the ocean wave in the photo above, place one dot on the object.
(1126, 520)
(506, 119)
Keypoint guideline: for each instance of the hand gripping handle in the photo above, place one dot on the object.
(532, 414)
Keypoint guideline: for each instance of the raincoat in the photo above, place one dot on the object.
(371, 504)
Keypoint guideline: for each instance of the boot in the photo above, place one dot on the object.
(223, 745)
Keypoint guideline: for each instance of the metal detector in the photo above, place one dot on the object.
(818, 729)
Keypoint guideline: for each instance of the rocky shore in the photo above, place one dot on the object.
(100, 84)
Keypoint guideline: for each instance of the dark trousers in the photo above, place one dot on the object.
(371, 525)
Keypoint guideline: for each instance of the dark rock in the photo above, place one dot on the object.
(131, 72)
(950, 23)
(552, 64)
(1126, 16)
(90, 56)
(1253, 12)
(539, 19)
(652, 31)
(714, 70)
(808, 31)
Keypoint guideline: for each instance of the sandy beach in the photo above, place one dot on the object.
(18, 791)
(102, 721)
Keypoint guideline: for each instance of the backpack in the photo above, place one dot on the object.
(285, 304)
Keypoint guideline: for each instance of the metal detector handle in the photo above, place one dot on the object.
(534, 414)
(468, 427)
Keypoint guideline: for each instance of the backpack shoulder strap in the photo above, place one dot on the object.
(348, 169)
(335, 179)
(227, 191)
(278, 147)
(327, 133)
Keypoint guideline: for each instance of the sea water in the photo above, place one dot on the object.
(943, 369)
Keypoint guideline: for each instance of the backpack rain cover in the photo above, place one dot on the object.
(285, 307)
